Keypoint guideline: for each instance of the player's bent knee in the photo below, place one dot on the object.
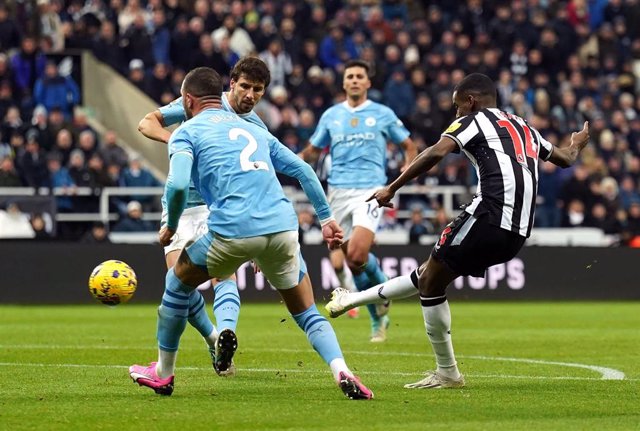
(357, 259)
(189, 273)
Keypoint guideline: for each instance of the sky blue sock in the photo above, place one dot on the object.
(198, 317)
(173, 312)
(373, 270)
(226, 305)
(319, 333)
(362, 282)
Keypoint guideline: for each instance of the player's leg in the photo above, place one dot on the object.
(344, 276)
(226, 303)
(285, 269)
(223, 260)
(467, 246)
(397, 288)
(365, 268)
(173, 313)
(226, 308)
(433, 277)
(198, 317)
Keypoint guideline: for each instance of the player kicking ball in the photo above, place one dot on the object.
(492, 229)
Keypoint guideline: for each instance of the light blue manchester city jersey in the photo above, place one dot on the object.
(358, 139)
(235, 165)
(173, 113)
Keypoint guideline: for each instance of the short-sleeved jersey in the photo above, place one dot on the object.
(504, 150)
(173, 113)
(235, 165)
(358, 143)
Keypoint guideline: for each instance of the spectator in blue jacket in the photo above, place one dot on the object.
(336, 48)
(137, 176)
(28, 66)
(399, 95)
(55, 91)
(59, 177)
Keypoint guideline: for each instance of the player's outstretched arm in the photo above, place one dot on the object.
(567, 156)
(152, 126)
(286, 162)
(422, 163)
(410, 152)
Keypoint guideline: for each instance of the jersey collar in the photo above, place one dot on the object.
(357, 108)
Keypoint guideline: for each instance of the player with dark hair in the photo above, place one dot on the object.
(505, 151)
(356, 132)
(234, 165)
(249, 80)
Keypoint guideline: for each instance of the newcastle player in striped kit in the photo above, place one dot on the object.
(505, 151)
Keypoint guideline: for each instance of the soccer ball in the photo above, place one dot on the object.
(113, 282)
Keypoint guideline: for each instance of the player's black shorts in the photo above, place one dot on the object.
(469, 245)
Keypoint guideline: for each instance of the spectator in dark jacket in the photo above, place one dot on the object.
(32, 164)
(8, 175)
(106, 48)
(9, 30)
(133, 222)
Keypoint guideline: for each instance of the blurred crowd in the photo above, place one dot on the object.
(556, 63)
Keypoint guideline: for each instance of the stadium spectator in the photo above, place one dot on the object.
(136, 40)
(336, 48)
(132, 221)
(106, 47)
(418, 226)
(239, 39)
(9, 30)
(32, 163)
(59, 177)
(28, 66)
(96, 235)
(39, 227)
(55, 91)
(278, 61)
(135, 175)
(111, 152)
(8, 175)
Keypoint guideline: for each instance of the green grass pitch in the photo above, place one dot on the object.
(528, 366)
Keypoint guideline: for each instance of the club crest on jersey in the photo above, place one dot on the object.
(354, 122)
(443, 236)
(453, 127)
(370, 121)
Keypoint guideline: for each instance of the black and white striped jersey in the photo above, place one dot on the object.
(504, 150)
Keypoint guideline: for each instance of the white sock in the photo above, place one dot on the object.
(346, 280)
(396, 288)
(211, 338)
(166, 363)
(338, 365)
(437, 320)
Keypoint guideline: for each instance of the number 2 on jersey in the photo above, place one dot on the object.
(247, 152)
(520, 149)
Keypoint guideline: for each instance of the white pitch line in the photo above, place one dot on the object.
(303, 371)
(606, 373)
